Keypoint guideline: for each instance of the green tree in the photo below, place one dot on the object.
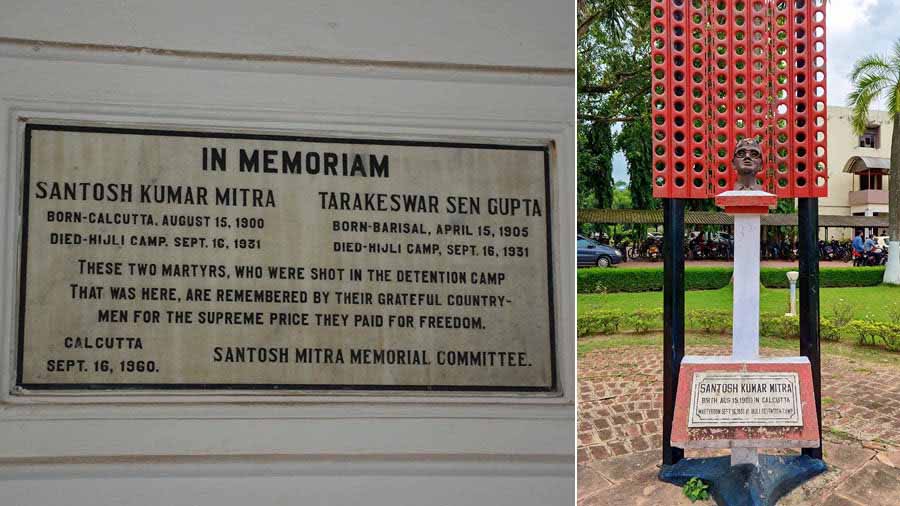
(621, 196)
(873, 77)
(613, 88)
(595, 151)
(610, 16)
(634, 141)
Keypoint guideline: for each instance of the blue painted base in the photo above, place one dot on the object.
(746, 485)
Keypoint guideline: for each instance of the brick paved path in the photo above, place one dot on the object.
(620, 408)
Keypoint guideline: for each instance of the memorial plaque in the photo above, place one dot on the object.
(745, 399)
(156, 259)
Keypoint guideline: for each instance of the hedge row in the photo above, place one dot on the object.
(868, 333)
(650, 279)
(603, 321)
(774, 277)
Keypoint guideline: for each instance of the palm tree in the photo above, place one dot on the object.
(875, 76)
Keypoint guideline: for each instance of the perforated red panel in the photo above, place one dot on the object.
(723, 70)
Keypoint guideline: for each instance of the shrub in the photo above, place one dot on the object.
(828, 330)
(602, 321)
(866, 332)
(769, 325)
(891, 337)
(707, 278)
(594, 285)
(778, 325)
(871, 333)
(772, 277)
(841, 313)
(606, 321)
(619, 280)
(643, 320)
(775, 277)
(711, 320)
(790, 327)
(649, 279)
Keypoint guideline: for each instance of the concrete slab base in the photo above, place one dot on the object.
(746, 485)
(749, 436)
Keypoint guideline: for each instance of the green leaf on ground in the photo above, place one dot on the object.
(695, 490)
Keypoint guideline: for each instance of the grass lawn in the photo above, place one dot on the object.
(871, 302)
(867, 354)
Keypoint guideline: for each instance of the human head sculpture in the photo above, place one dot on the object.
(747, 162)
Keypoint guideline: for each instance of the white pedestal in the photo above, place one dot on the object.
(745, 315)
(745, 319)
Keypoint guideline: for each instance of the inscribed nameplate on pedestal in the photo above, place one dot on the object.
(739, 399)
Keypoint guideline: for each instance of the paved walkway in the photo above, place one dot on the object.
(619, 431)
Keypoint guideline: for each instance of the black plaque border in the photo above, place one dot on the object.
(20, 352)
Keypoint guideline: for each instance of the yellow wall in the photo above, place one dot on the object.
(842, 145)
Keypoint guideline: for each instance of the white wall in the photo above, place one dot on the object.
(407, 69)
(497, 32)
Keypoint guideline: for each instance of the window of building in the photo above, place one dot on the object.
(871, 138)
(870, 181)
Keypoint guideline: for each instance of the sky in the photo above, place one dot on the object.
(854, 28)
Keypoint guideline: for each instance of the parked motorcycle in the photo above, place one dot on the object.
(651, 248)
(715, 248)
(876, 256)
(788, 250)
(835, 250)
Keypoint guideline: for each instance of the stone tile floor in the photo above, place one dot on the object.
(620, 433)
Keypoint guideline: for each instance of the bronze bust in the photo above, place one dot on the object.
(747, 162)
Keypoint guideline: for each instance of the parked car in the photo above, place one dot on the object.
(592, 253)
(722, 237)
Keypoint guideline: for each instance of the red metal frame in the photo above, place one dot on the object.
(723, 70)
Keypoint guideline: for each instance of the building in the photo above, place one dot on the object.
(858, 168)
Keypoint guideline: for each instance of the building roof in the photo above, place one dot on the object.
(857, 164)
(655, 217)
(649, 217)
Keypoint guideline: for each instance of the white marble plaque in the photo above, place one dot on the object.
(745, 399)
(158, 259)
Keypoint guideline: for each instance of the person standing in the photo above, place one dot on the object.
(858, 246)
(869, 245)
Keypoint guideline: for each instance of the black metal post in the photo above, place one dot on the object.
(808, 221)
(673, 318)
